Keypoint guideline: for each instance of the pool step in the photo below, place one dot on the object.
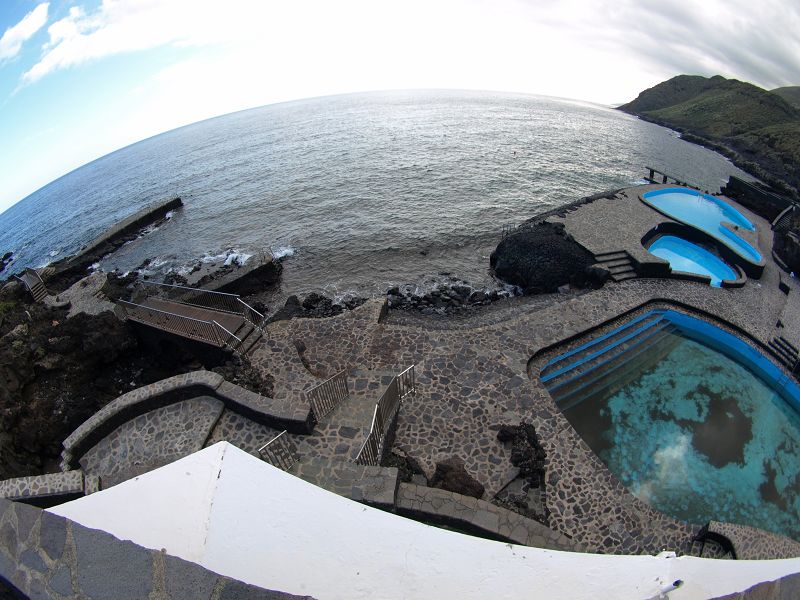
(600, 359)
(616, 367)
(599, 344)
(618, 372)
(619, 263)
(784, 351)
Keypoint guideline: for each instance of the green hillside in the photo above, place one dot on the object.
(791, 94)
(757, 129)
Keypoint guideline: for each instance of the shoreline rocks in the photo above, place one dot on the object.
(541, 258)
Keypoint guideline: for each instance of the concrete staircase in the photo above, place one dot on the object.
(33, 281)
(786, 352)
(619, 263)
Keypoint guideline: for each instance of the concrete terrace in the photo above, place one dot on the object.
(473, 374)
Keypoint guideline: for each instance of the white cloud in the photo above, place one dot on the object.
(14, 37)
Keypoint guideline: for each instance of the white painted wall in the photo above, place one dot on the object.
(240, 517)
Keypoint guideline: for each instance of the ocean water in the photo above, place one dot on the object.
(358, 192)
(699, 437)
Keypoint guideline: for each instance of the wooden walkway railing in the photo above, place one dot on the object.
(401, 385)
(280, 451)
(327, 395)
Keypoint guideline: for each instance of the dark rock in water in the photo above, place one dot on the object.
(6, 260)
(246, 280)
(451, 475)
(118, 287)
(175, 279)
(541, 257)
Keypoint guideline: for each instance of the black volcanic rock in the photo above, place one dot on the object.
(541, 257)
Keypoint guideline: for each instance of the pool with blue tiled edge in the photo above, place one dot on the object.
(703, 432)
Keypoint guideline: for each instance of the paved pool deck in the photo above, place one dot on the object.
(478, 372)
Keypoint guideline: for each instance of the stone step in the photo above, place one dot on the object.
(621, 371)
(613, 369)
(616, 263)
(618, 277)
(598, 346)
(607, 256)
(376, 486)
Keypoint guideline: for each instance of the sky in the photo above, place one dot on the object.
(82, 78)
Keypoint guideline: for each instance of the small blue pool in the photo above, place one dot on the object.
(690, 418)
(687, 257)
(707, 213)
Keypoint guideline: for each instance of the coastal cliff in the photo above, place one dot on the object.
(757, 129)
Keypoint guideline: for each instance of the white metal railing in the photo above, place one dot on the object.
(219, 301)
(326, 396)
(385, 410)
(205, 331)
(280, 451)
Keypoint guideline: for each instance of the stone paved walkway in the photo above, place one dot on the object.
(481, 371)
(473, 376)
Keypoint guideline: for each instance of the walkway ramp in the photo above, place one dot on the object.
(214, 318)
(33, 282)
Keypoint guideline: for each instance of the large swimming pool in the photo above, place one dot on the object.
(691, 419)
(687, 257)
(707, 213)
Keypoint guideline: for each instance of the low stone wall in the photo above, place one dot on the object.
(43, 555)
(478, 516)
(751, 543)
(278, 413)
(49, 488)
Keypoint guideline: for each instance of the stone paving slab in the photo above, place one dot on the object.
(437, 505)
(373, 485)
(152, 440)
(46, 556)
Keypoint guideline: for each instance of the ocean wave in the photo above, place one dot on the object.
(282, 251)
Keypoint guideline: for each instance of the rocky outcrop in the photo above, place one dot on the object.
(6, 260)
(452, 298)
(540, 258)
(314, 306)
(451, 475)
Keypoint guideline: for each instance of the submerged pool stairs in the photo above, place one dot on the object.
(784, 351)
(607, 361)
(619, 263)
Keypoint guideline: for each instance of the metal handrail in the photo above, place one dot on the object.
(220, 301)
(186, 287)
(210, 331)
(326, 396)
(280, 451)
(386, 408)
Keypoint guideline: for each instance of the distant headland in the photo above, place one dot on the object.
(758, 130)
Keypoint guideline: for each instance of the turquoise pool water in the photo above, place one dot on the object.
(690, 419)
(685, 256)
(706, 213)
